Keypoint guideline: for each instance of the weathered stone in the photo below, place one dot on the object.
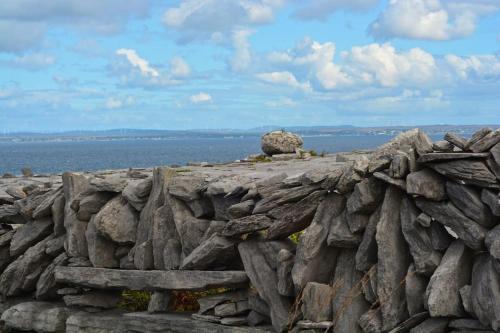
(478, 135)
(379, 163)
(494, 167)
(221, 204)
(366, 255)
(440, 157)
(163, 229)
(254, 319)
(95, 299)
(393, 260)
(257, 304)
(425, 257)
(208, 303)
(45, 207)
(207, 318)
(465, 295)
(468, 200)
(264, 278)
(46, 287)
(467, 324)
(317, 302)
(28, 205)
(424, 220)
(234, 321)
(28, 235)
(400, 183)
(247, 224)
(443, 291)
(348, 302)
(159, 302)
(280, 142)
(440, 238)
(102, 278)
(214, 227)
(311, 327)
(340, 235)
(88, 204)
(117, 221)
(446, 213)
(217, 252)
(231, 308)
(114, 183)
(143, 256)
(371, 321)
(411, 322)
(456, 140)
(68, 291)
(431, 325)
(285, 261)
(492, 243)
(468, 171)
(485, 292)
(348, 180)
(492, 200)
(10, 214)
(101, 250)
(282, 197)
(357, 222)
(399, 166)
(426, 183)
(369, 285)
(187, 187)
(241, 209)
(298, 217)
(366, 196)
(58, 215)
(79, 262)
(172, 254)
(36, 316)
(22, 274)
(415, 286)
(16, 192)
(137, 191)
(332, 179)
(486, 142)
(443, 146)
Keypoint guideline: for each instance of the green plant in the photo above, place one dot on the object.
(295, 237)
(132, 300)
(313, 152)
(262, 159)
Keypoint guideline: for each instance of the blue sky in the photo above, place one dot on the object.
(101, 64)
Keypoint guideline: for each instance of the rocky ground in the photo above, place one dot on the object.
(403, 239)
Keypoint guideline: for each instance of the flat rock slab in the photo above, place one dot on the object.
(102, 278)
(432, 157)
(116, 322)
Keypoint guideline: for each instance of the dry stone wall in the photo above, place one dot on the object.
(406, 239)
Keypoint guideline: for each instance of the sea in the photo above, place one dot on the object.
(48, 157)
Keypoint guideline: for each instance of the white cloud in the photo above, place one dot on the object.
(283, 102)
(321, 9)
(136, 61)
(201, 98)
(32, 61)
(118, 103)
(242, 57)
(179, 68)
(284, 78)
(478, 67)
(431, 19)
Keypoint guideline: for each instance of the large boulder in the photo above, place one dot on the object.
(280, 142)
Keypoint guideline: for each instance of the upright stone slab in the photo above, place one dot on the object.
(101, 250)
(485, 292)
(454, 272)
(317, 302)
(468, 200)
(46, 286)
(415, 285)
(163, 230)
(393, 261)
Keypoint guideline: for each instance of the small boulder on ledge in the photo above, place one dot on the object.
(280, 142)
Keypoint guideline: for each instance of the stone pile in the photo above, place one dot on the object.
(406, 239)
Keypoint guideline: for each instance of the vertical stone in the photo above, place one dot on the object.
(101, 250)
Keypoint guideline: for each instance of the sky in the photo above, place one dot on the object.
(210, 64)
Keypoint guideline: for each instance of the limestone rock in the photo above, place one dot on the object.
(432, 325)
(58, 215)
(36, 316)
(284, 270)
(280, 142)
(29, 234)
(492, 243)
(399, 166)
(88, 204)
(486, 142)
(415, 286)
(443, 146)
(456, 140)
(441, 157)
(469, 171)
(10, 214)
(137, 191)
(95, 299)
(143, 256)
(371, 321)
(241, 209)
(492, 200)
(247, 224)
(477, 136)
(216, 252)
(101, 250)
(465, 295)
(389, 180)
(163, 229)
(44, 209)
(366, 196)
(485, 292)
(316, 302)
(443, 291)
(159, 302)
(117, 221)
(208, 303)
(46, 287)
(426, 183)
(468, 200)
(340, 235)
(172, 254)
(282, 197)
(366, 255)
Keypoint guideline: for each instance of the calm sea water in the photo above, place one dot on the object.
(54, 157)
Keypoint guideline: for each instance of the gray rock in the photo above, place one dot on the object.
(46, 287)
(255, 319)
(285, 261)
(456, 140)
(207, 318)
(369, 285)
(494, 167)
(22, 274)
(454, 272)
(216, 252)
(264, 278)
(172, 254)
(79, 262)
(280, 142)
(366, 255)
(492, 200)
(117, 221)
(163, 229)
(431, 325)
(399, 166)
(371, 321)
(187, 187)
(101, 250)
(357, 222)
(93, 299)
(36, 316)
(297, 217)
(16, 192)
(208, 303)
(282, 197)
(440, 157)
(45, 207)
(28, 235)
(348, 302)
(468, 200)
(103, 278)
(68, 291)
(88, 204)
(400, 183)
(257, 304)
(58, 215)
(340, 235)
(393, 261)
(366, 196)
(440, 238)
(486, 142)
(424, 220)
(425, 257)
(241, 209)
(247, 224)
(332, 179)
(465, 295)
(143, 256)
(443, 146)
(114, 183)
(485, 292)
(234, 321)
(159, 302)
(446, 213)
(467, 324)
(415, 286)
(137, 191)
(230, 309)
(495, 153)
(477, 136)
(316, 302)
(426, 183)
(221, 204)
(28, 205)
(214, 227)
(468, 171)
(411, 322)
(348, 179)
(10, 214)
(492, 243)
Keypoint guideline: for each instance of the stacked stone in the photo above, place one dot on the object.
(404, 240)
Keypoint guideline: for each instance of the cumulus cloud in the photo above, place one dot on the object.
(321, 9)
(210, 19)
(23, 23)
(201, 98)
(179, 68)
(136, 61)
(242, 51)
(284, 78)
(431, 19)
(476, 67)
